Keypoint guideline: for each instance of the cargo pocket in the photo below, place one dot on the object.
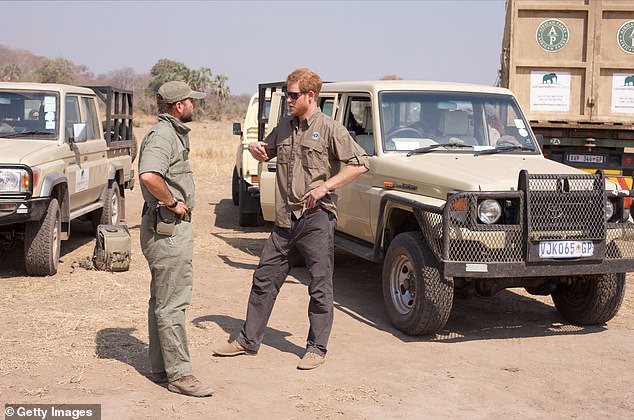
(284, 152)
(313, 155)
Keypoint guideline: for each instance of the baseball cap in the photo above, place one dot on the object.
(175, 91)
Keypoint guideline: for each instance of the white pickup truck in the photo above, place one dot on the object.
(62, 157)
(459, 200)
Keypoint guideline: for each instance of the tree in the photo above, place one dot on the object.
(166, 70)
(200, 79)
(11, 72)
(220, 90)
(391, 77)
(59, 70)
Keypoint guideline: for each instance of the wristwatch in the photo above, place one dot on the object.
(173, 205)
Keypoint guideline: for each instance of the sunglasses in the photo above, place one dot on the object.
(294, 95)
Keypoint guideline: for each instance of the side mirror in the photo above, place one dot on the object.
(79, 132)
(237, 129)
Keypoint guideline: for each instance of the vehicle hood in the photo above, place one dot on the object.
(25, 151)
(435, 174)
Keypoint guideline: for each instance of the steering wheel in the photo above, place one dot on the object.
(393, 133)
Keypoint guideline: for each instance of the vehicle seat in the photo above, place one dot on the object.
(455, 125)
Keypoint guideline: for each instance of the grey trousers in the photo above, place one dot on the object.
(170, 262)
(312, 237)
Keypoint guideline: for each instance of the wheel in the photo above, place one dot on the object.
(109, 213)
(418, 298)
(235, 187)
(42, 242)
(247, 207)
(590, 300)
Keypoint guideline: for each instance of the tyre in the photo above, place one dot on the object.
(590, 300)
(110, 213)
(42, 242)
(418, 298)
(235, 187)
(247, 207)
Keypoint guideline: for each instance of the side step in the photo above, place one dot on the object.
(356, 248)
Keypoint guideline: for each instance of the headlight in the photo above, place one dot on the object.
(14, 180)
(489, 211)
(609, 209)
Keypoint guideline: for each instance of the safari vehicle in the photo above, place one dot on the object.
(459, 200)
(59, 162)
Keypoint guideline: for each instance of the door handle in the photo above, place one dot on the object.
(85, 158)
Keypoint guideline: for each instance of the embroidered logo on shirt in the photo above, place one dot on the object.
(316, 136)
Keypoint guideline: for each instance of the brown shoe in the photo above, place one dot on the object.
(158, 377)
(189, 385)
(233, 349)
(311, 361)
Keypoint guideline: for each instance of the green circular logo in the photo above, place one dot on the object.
(552, 35)
(625, 37)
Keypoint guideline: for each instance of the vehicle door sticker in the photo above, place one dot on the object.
(519, 123)
(623, 93)
(49, 104)
(81, 179)
(50, 125)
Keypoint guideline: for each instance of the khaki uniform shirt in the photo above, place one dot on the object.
(308, 153)
(165, 150)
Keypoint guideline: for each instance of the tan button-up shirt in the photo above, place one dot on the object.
(308, 153)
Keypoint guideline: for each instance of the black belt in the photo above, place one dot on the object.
(311, 211)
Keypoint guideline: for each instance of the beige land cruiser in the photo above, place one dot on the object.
(56, 164)
(459, 200)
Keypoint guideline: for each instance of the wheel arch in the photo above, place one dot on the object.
(399, 214)
(55, 185)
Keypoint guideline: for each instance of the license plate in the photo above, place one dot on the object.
(566, 249)
(585, 158)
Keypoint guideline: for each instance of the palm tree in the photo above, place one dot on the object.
(11, 72)
(220, 90)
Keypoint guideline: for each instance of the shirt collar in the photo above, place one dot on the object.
(309, 119)
(181, 129)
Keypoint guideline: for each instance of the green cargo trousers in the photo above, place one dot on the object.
(170, 262)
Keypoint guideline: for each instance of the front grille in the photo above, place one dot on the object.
(545, 208)
(565, 207)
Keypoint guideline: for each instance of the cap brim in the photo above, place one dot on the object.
(196, 95)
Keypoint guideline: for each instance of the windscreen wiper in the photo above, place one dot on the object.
(504, 149)
(25, 133)
(436, 146)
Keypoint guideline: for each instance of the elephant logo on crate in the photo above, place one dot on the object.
(629, 80)
(549, 78)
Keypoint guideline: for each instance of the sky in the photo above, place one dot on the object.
(252, 42)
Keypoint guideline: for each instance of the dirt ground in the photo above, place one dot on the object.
(81, 337)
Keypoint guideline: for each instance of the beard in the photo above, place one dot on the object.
(188, 117)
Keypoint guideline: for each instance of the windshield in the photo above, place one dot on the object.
(28, 114)
(415, 120)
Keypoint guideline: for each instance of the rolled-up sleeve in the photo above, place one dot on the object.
(156, 156)
(346, 150)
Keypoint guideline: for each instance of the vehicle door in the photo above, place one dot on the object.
(353, 204)
(88, 165)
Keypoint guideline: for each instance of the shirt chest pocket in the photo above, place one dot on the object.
(284, 151)
(313, 155)
(180, 167)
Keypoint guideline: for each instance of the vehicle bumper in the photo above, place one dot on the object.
(20, 211)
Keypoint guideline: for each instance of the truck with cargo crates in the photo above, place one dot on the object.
(66, 154)
(571, 65)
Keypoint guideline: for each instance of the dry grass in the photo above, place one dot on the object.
(78, 316)
(213, 145)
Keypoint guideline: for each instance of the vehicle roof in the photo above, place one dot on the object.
(56, 87)
(407, 85)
